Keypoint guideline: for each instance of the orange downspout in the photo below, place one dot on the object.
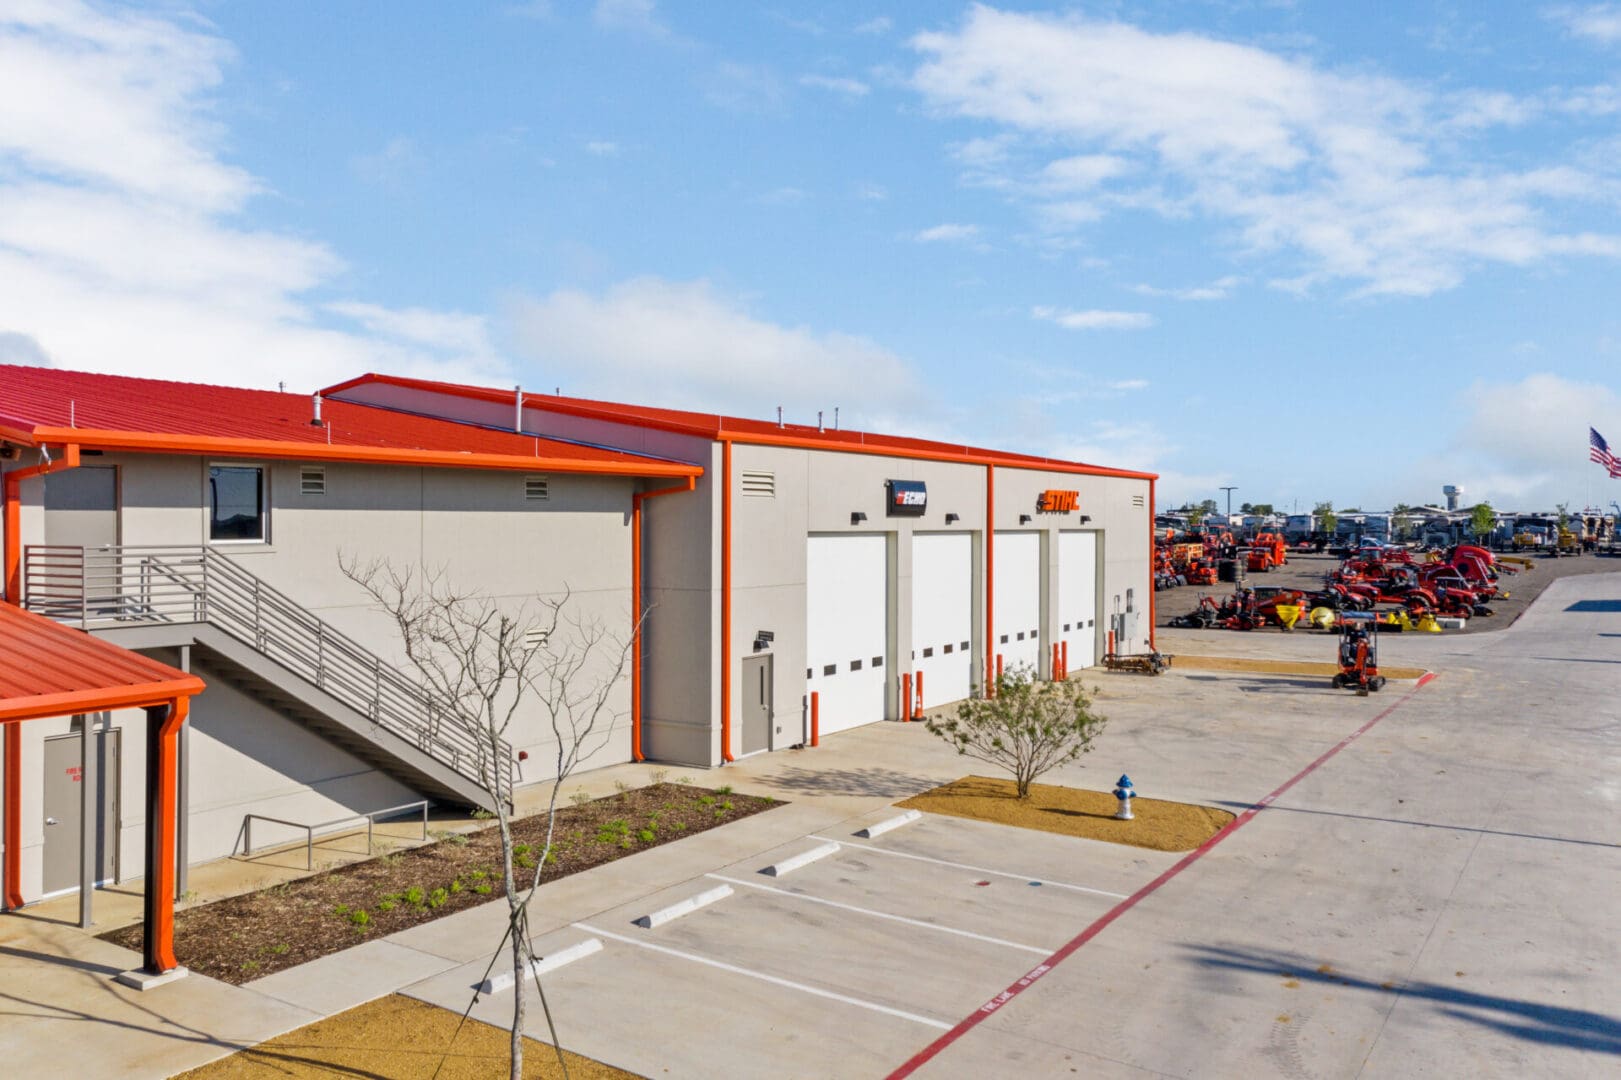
(162, 802)
(726, 601)
(990, 578)
(12, 517)
(637, 612)
(1152, 595)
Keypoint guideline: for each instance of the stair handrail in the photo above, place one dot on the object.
(200, 584)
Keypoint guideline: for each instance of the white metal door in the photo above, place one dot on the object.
(1078, 596)
(943, 615)
(1016, 611)
(847, 631)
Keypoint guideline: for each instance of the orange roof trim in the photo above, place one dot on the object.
(744, 430)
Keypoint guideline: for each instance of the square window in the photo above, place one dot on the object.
(830, 669)
(236, 503)
(810, 673)
(928, 653)
(964, 646)
(948, 648)
(878, 661)
(1066, 628)
(855, 665)
(1004, 639)
(1021, 635)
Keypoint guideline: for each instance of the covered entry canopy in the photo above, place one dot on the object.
(47, 669)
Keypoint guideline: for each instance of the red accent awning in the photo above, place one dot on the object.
(47, 669)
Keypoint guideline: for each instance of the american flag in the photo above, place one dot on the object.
(1600, 452)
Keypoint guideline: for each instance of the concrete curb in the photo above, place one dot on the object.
(684, 907)
(804, 858)
(893, 823)
(502, 982)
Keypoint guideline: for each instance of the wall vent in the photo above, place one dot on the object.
(535, 487)
(1137, 500)
(312, 480)
(762, 484)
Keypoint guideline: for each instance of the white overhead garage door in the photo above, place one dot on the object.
(1016, 611)
(1078, 596)
(943, 615)
(847, 629)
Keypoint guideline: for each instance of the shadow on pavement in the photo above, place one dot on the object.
(1552, 1025)
(884, 783)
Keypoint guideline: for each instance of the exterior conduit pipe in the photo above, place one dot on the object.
(13, 742)
(13, 515)
(638, 611)
(1152, 592)
(726, 601)
(990, 578)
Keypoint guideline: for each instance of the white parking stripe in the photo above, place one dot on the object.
(975, 869)
(774, 980)
(883, 915)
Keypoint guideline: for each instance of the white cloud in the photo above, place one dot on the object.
(870, 192)
(397, 159)
(1352, 176)
(744, 88)
(602, 148)
(121, 246)
(1219, 289)
(1094, 319)
(950, 232)
(1129, 384)
(632, 16)
(879, 25)
(1596, 22)
(783, 196)
(687, 345)
(850, 88)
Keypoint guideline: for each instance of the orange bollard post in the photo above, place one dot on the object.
(1056, 674)
(998, 669)
(906, 697)
(1063, 659)
(917, 705)
(816, 718)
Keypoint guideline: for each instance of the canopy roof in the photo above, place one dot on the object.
(47, 669)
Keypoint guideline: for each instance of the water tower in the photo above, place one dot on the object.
(1452, 492)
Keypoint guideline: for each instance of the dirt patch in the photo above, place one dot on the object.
(1283, 667)
(250, 936)
(1157, 824)
(400, 1038)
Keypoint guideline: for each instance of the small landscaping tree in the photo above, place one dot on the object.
(482, 663)
(1326, 518)
(1027, 727)
(1482, 520)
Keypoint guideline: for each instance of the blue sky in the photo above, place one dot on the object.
(1317, 251)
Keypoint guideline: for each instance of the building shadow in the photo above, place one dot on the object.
(868, 781)
(1531, 1021)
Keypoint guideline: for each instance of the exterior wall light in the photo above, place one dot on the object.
(1024, 519)
(857, 517)
(1085, 518)
(952, 519)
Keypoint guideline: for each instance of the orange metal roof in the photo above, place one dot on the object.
(743, 429)
(47, 669)
(115, 412)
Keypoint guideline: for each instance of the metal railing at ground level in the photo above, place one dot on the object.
(121, 586)
(310, 830)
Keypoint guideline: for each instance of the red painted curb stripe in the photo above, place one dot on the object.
(985, 1011)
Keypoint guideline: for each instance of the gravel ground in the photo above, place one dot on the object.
(1306, 572)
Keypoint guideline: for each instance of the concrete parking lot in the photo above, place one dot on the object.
(1428, 890)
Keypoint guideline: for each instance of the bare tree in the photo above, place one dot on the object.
(480, 666)
(1027, 727)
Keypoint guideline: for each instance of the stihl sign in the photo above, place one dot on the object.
(1058, 502)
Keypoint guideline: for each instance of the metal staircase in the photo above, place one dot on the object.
(266, 644)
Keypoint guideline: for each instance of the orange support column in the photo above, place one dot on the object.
(726, 601)
(816, 718)
(1063, 659)
(162, 756)
(906, 696)
(14, 804)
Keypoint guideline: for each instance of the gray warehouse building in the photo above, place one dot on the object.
(758, 567)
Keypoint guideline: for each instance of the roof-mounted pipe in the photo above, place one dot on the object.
(517, 409)
(315, 421)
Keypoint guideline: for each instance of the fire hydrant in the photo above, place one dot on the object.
(1124, 793)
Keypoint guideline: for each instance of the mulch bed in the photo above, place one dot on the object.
(247, 937)
(1157, 823)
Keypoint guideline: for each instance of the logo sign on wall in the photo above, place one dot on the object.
(907, 498)
(1058, 502)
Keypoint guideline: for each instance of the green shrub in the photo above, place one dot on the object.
(437, 898)
(725, 790)
(414, 896)
(456, 886)
(385, 905)
(361, 918)
(482, 890)
(647, 836)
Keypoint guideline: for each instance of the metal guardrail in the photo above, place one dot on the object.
(100, 588)
(310, 830)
